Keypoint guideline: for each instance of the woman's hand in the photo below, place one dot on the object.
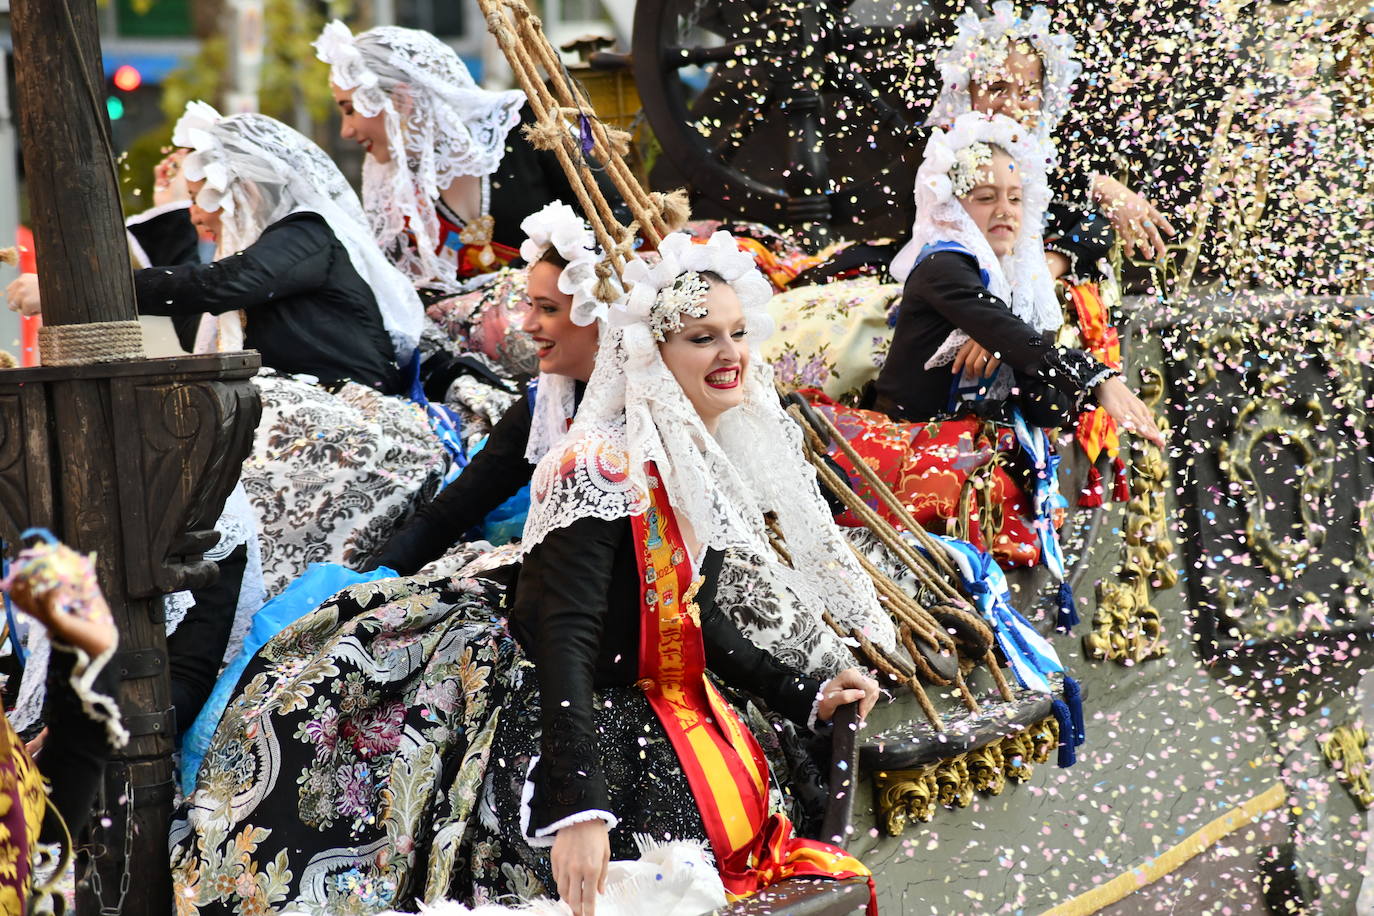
(169, 181)
(58, 588)
(979, 362)
(851, 685)
(581, 855)
(1129, 412)
(90, 629)
(22, 295)
(1057, 263)
(1133, 217)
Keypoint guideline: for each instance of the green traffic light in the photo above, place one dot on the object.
(115, 108)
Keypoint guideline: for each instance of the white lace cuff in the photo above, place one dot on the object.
(811, 722)
(547, 833)
(544, 836)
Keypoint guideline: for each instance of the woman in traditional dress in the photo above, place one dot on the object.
(296, 275)
(447, 181)
(562, 320)
(974, 270)
(299, 278)
(378, 751)
(1022, 68)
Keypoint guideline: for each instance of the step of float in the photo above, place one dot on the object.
(917, 769)
(805, 897)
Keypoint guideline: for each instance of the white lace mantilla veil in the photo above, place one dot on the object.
(979, 48)
(258, 171)
(439, 125)
(634, 411)
(1021, 279)
(558, 226)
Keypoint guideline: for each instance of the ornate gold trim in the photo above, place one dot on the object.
(1345, 750)
(1126, 627)
(903, 796)
(1256, 422)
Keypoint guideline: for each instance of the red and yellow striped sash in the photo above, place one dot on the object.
(724, 764)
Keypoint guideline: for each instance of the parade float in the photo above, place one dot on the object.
(1224, 591)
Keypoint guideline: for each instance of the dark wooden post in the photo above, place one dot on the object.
(69, 163)
(128, 457)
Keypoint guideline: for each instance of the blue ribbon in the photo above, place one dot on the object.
(1068, 609)
(446, 423)
(584, 130)
(1030, 655)
(1046, 497)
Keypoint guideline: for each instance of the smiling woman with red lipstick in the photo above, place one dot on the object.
(710, 355)
(563, 318)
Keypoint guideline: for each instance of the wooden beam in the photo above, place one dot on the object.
(78, 226)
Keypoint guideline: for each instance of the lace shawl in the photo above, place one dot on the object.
(634, 411)
(440, 125)
(981, 45)
(1021, 279)
(258, 171)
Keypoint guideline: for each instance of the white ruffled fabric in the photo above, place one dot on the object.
(668, 879)
(559, 227)
(236, 525)
(979, 48)
(258, 171)
(440, 125)
(634, 411)
(1021, 279)
(555, 403)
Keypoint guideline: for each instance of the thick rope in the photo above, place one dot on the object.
(87, 344)
(920, 565)
(520, 35)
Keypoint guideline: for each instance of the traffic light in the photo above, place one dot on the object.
(127, 78)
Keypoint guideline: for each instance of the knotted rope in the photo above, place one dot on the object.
(86, 344)
(520, 35)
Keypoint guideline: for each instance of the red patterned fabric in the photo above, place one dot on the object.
(927, 466)
(1096, 432)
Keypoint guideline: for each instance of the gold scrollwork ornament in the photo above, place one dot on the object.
(1345, 750)
(1126, 626)
(904, 796)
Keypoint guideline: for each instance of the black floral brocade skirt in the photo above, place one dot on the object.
(646, 786)
(375, 755)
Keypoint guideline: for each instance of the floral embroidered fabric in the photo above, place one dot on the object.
(331, 476)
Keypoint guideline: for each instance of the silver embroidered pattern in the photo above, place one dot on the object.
(687, 296)
(968, 163)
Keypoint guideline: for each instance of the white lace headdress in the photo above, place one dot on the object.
(439, 125)
(1021, 279)
(634, 411)
(979, 50)
(558, 226)
(258, 171)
